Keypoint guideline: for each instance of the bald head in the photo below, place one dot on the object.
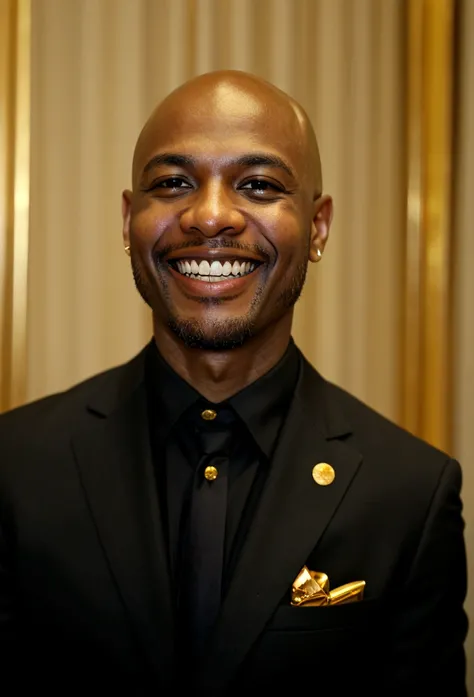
(218, 102)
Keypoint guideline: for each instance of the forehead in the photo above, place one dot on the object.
(227, 121)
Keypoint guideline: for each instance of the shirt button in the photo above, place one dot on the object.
(210, 473)
(208, 414)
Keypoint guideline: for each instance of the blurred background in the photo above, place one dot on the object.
(389, 86)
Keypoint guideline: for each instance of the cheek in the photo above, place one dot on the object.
(287, 232)
(148, 225)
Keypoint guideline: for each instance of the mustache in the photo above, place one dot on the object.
(214, 243)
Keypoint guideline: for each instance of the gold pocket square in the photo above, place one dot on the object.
(311, 588)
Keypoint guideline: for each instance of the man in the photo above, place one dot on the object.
(155, 519)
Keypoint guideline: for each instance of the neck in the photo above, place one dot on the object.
(217, 375)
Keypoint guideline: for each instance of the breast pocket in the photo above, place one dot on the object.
(327, 618)
(331, 647)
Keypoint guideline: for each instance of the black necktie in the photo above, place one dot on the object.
(203, 543)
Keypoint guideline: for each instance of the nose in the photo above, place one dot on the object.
(213, 212)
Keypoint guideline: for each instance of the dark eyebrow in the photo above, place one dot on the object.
(264, 160)
(168, 158)
(250, 160)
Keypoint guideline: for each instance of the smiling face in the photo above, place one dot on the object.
(225, 210)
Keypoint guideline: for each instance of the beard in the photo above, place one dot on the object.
(215, 334)
(218, 335)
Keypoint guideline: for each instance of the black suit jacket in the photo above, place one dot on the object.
(85, 596)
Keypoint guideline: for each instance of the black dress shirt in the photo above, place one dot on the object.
(175, 409)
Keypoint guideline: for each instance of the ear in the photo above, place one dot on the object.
(126, 213)
(322, 218)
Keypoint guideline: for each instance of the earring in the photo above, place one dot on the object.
(319, 253)
(127, 250)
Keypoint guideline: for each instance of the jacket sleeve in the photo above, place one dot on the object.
(7, 624)
(430, 625)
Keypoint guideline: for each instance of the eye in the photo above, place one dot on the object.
(261, 188)
(172, 183)
(169, 186)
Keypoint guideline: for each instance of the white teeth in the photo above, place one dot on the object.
(215, 271)
(216, 268)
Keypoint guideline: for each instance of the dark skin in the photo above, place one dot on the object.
(226, 169)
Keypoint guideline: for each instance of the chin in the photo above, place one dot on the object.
(218, 335)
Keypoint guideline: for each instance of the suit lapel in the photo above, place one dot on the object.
(114, 460)
(292, 516)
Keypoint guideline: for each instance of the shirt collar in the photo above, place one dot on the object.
(261, 406)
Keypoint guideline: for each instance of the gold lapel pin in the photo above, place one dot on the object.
(323, 474)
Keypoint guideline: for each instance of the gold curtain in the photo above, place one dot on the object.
(427, 336)
(14, 197)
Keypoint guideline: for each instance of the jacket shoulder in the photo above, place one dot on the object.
(405, 466)
(60, 407)
(370, 424)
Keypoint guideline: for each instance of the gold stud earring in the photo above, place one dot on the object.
(319, 254)
(127, 249)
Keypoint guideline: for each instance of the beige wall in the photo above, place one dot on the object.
(87, 105)
(100, 65)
